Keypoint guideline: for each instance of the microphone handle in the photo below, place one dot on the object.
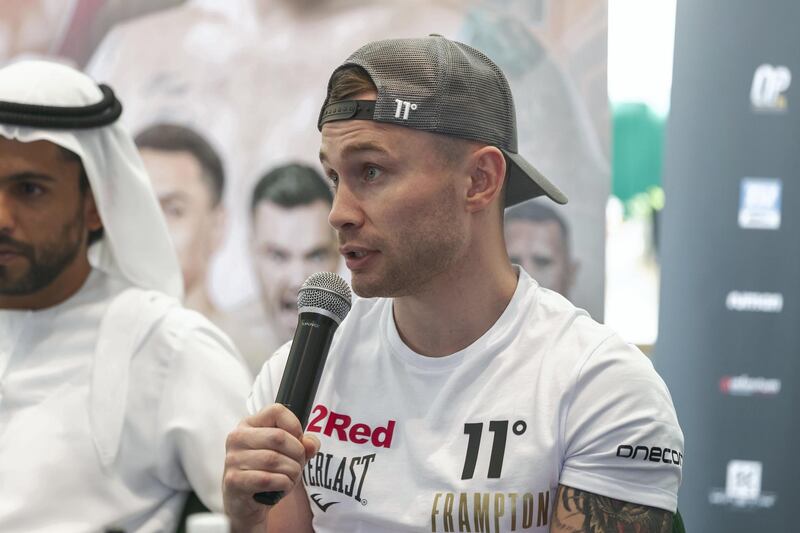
(310, 345)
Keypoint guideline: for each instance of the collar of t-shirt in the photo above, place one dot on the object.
(493, 340)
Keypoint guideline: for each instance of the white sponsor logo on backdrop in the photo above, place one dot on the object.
(749, 386)
(760, 203)
(743, 487)
(758, 302)
(769, 85)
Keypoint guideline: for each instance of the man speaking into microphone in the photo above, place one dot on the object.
(458, 394)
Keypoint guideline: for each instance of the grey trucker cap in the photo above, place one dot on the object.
(441, 86)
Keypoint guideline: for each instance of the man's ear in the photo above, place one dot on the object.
(90, 213)
(219, 226)
(487, 175)
(572, 275)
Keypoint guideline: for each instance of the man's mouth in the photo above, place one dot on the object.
(288, 305)
(353, 251)
(9, 254)
(11, 248)
(357, 258)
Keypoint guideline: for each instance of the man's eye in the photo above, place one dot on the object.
(31, 189)
(372, 173)
(172, 210)
(333, 177)
(274, 255)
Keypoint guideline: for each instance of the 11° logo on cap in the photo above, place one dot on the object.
(403, 107)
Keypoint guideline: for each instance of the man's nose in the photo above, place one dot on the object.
(298, 272)
(6, 214)
(346, 211)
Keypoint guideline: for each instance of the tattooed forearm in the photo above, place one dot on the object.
(577, 511)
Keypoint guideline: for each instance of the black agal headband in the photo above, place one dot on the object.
(101, 113)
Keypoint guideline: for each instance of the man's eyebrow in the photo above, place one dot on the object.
(365, 146)
(177, 195)
(28, 175)
(272, 247)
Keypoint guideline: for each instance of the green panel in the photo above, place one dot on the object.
(638, 147)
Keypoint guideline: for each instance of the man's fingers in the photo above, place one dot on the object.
(311, 444)
(267, 461)
(266, 438)
(249, 482)
(276, 415)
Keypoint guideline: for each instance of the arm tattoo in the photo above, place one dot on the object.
(577, 511)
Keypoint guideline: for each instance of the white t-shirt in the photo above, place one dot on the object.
(479, 440)
(186, 391)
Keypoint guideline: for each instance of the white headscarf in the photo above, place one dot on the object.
(135, 243)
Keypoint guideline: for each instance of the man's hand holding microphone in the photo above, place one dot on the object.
(267, 451)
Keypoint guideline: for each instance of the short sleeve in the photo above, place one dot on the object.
(265, 388)
(621, 436)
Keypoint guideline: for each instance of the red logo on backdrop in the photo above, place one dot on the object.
(341, 426)
(745, 385)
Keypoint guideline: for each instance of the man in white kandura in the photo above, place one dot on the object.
(114, 400)
(458, 394)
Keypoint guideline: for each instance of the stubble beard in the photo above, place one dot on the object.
(421, 253)
(45, 263)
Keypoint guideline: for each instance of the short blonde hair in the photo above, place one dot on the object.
(349, 81)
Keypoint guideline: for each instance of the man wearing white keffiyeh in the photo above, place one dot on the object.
(115, 401)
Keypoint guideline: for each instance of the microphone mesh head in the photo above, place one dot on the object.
(327, 291)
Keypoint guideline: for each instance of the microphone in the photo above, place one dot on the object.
(322, 303)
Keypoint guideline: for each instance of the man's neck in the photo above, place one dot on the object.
(198, 300)
(458, 307)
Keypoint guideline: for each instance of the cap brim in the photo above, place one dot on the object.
(525, 182)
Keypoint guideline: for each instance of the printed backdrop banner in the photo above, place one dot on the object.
(223, 98)
(728, 337)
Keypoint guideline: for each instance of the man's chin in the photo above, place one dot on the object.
(366, 287)
(287, 324)
(15, 283)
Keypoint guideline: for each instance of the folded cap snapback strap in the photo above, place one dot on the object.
(347, 110)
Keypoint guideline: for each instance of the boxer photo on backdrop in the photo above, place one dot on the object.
(290, 239)
(537, 239)
(459, 394)
(189, 180)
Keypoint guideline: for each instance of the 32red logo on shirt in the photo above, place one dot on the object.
(329, 422)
